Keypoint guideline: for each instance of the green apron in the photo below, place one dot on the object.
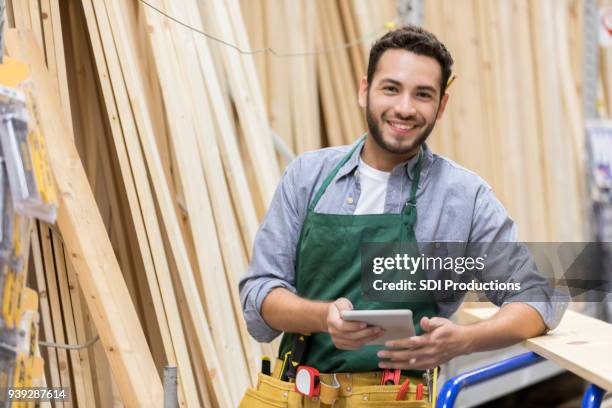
(328, 266)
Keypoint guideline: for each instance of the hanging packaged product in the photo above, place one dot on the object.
(25, 156)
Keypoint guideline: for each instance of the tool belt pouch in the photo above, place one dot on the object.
(379, 396)
(272, 392)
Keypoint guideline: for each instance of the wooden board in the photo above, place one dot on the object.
(89, 247)
(580, 344)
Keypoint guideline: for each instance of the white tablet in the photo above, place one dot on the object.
(397, 323)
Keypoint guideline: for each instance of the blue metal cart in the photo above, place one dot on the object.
(450, 390)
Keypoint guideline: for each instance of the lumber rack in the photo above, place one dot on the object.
(451, 388)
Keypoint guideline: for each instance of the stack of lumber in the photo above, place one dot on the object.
(312, 27)
(181, 170)
(515, 110)
(173, 135)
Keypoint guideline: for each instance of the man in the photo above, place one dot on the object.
(305, 267)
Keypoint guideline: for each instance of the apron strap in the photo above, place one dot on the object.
(331, 175)
(415, 182)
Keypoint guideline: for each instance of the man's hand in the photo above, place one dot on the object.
(348, 335)
(442, 341)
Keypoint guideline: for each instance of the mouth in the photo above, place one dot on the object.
(401, 127)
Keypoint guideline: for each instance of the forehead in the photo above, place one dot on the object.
(408, 68)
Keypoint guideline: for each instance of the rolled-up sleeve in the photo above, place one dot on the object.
(508, 261)
(272, 263)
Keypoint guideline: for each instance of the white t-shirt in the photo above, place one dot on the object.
(373, 190)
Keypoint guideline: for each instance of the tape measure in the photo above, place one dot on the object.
(307, 381)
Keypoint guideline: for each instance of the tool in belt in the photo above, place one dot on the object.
(308, 379)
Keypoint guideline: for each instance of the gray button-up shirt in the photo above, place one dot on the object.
(453, 204)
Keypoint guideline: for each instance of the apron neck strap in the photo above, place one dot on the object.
(333, 173)
(415, 181)
(330, 177)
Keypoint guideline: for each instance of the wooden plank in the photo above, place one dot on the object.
(574, 120)
(21, 13)
(331, 106)
(170, 221)
(190, 172)
(336, 68)
(230, 245)
(101, 374)
(255, 23)
(498, 94)
(345, 80)
(278, 69)
(139, 194)
(90, 250)
(580, 344)
(358, 60)
(304, 98)
(51, 360)
(559, 185)
(54, 301)
(516, 45)
(54, 47)
(246, 93)
(441, 140)
(81, 337)
(228, 146)
(35, 23)
(78, 392)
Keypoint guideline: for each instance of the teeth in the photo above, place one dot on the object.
(402, 126)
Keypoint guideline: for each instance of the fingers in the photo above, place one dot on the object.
(419, 359)
(409, 342)
(355, 344)
(343, 304)
(341, 325)
(428, 324)
(360, 335)
(350, 340)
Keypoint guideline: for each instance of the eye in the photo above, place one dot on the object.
(424, 95)
(390, 89)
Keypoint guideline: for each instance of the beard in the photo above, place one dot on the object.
(374, 128)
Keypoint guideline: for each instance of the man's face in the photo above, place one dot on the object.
(403, 101)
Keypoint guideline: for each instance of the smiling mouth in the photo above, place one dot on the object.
(401, 127)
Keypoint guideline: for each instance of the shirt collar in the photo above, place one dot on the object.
(409, 165)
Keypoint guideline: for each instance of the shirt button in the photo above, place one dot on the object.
(349, 200)
(437, 245)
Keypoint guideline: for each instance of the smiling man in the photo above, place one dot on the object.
(305, 268)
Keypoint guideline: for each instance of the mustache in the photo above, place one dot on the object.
(408, 118)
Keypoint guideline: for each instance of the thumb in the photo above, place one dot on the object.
(425, 324)
(343, 304)
(428, 324)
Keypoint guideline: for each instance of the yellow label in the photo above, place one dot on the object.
(12, 72)
(7, 299)
(29, 299)
(40, 159)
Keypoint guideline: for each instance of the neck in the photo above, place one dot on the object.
(377, 157)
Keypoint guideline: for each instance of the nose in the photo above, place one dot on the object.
(405, 107)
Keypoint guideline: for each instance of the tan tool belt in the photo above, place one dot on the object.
(340, 390)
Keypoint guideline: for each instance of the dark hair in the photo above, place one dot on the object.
(414, 39)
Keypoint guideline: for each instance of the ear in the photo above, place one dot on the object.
(442, 106)
(363, 92)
